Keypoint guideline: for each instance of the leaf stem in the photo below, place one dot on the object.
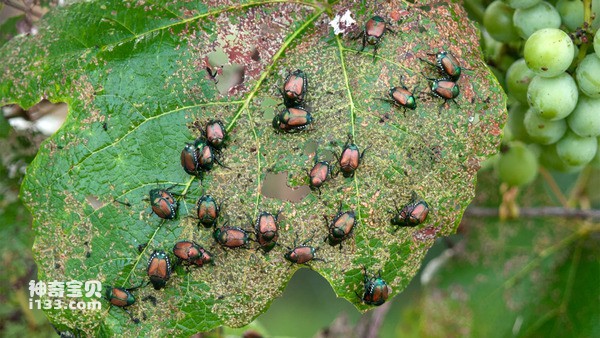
(562, 308)
(347, 82)
(584, 231)
(352, 111)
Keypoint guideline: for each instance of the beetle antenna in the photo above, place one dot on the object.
(124, 203)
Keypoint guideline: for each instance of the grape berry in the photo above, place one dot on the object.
(553, 85)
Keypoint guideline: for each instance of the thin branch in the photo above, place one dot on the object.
(536, 212)
(580, 186)
(554, 187)
(23, 8)
(377, 320)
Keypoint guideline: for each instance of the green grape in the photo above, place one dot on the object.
(575, 150)
(518, 166)
(554, 98)
(521, 3)
(518, 77)
(595, 162)
(549, 52)
(543, 131)
(597, 41)
(588, 76)
(571, 13)
(529, 20)
(498, 21)
(514, 125)
(585, 118)
(549, 159)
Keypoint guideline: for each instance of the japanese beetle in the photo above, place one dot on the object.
(159, 269)
(318, 174)
(447, 64)
(402, 97)
(122, 298)
(189, 159)
(208, 211)
(412, 214)
(205, 257)
(215, 133)
(163, 203)
(445, 89)
(341, 227)
(294, 88)
(231, 237)
(376, 290)
(186, 251)
(374, 30)
(302, 254)
(266, 229)
(350, 158)
(292, 120)
(207, 156)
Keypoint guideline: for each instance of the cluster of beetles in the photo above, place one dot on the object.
(199, 157)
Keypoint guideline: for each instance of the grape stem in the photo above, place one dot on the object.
(476, 211)
(554, 187)
(580, 187)
(587, 24)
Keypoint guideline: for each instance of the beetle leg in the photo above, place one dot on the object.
(386, 100)
(124, 203)
(359, 297)
(375, 51)
(359, 35)
(221, 164)
(135, 320)
(363, 152)
(364, 41)
(427, 61)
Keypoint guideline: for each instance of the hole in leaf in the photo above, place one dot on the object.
(275, 186)
(232, 76)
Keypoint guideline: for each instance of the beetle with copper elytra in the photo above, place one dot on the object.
(319, 174)
(302, 254)
(159, 269)
(411, 214)
(294, 88)
(376, 289)
(374, 30)
(444, 89)
(122, 298)
(350, 158)
(447, 64)
(341, 227)
(267, 230)
(215, 133)
(231, 237)
(163, 203)
(402, 97)
(292, 120)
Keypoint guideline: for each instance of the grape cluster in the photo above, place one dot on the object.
(553, 82)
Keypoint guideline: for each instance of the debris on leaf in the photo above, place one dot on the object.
(343, 24)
